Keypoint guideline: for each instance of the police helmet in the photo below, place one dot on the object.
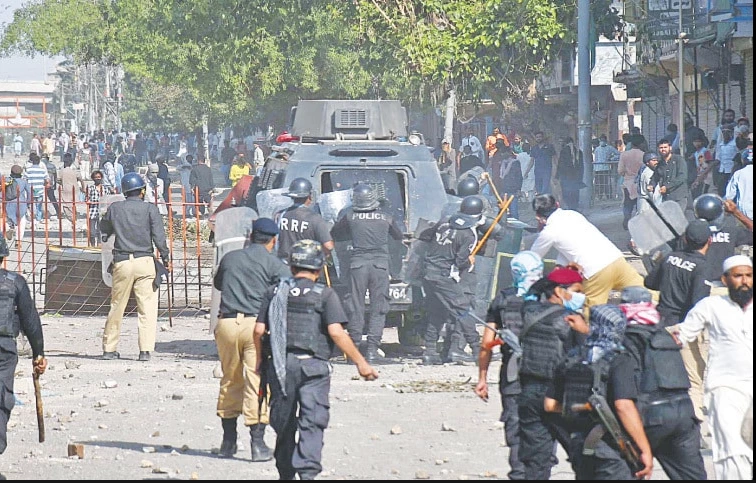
(709, 207)
(4, 252)
(299, 188)
(649, 156)
(364, 198)
(471, 205)
(468, 186)
(131, 182)
(307, 254)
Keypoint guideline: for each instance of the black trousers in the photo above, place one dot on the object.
(605, 464)
(447, 302)
(539, 431)
(372, 277)
(8, 362)
(674, 434)
(304, 410)
(570, 195)
(511, 420)
(628, 206)
(53, 200)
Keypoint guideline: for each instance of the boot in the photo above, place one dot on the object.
(228, 445)
(431, 358)
(371, 354)
(260, 452)
(457, 355)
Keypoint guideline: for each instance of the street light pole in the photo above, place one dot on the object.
(584, 100)
(681, 80)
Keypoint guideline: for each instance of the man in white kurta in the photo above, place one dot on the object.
(729, 377)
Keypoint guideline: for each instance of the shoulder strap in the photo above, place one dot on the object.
(527, 325)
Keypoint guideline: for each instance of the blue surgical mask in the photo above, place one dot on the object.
(576, 302)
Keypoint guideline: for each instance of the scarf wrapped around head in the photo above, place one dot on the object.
(527, 269)
(608, 325)
(638, 307)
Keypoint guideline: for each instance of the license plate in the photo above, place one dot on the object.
(399, 293)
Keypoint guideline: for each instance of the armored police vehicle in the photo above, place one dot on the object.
(337, 143)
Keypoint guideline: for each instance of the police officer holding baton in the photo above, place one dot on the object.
(302, 321)
(17, 313)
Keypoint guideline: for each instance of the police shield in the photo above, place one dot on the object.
(270, 202)
(656, 227)
(332, 203)
(106, 249)
(232, 229)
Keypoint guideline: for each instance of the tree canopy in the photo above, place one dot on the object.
(254, 58)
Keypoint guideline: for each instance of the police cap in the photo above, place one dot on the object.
(266, 226)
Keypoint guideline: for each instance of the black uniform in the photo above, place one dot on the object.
(681, 281)
(505, 312)
(369, 232)
(606, 463)
(300, 222)
(17, 313)
(243, 277)
(449, 284)
(723, 243)
(654, 364)
(545, 339)
(301, 404)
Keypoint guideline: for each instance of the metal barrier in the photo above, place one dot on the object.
(605, 182)
(61, 259)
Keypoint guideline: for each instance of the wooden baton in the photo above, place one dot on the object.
(40, 408)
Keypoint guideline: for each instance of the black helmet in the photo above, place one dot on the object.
(4, 252)
(299, 188)
(364, 198)
(709, 207)
(468, 186)
(307, 254)
(471, 205)
(131, 182)
(649, 156)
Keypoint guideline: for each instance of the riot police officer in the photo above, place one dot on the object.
(136, 225)
(505, 312)
(17, 314)
(368, 228)
(450, 280)
(468, 186)
(303, 320)
(242, 277)
(300, 221)
(680, 278)
(663, 401)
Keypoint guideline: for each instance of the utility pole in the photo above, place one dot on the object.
(584, 100)
(451, 103)
(681, 79)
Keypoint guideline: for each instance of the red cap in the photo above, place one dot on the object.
(565, 276)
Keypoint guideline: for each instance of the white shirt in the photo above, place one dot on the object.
(730, 341)
(576, 240)
(475, 146)
(740, 190)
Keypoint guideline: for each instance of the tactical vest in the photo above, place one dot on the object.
(304, 326)
(542, 347)
(9, 322)
(510, 313)
(581, 380)
(663, 373)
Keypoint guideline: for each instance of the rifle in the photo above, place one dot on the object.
(503, 336)
(608, 423)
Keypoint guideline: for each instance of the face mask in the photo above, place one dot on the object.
(97, 181)
(741, 296)
(576, 302)
(602, 143)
